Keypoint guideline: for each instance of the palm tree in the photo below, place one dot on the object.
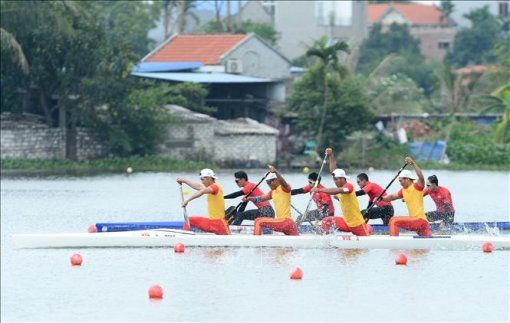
(327, 55)
(499, 101)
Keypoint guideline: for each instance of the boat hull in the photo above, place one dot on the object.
(377, 228)
(167, 238)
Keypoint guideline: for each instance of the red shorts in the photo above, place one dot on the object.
(421, 226)
(287, 226)
(339, 223)
(217, 226)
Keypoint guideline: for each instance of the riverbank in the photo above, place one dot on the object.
(161, 164)
(109, 165)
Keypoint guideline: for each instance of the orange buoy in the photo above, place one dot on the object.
(92, 228)
(156, 292)
(179, 247)
(401, 259)
(369, 228)
(297, 273)
(487, 247)
(76, 259)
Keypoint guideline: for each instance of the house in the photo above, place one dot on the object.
(246, 77)
(425, 22)
(240, 142)
(301, 22)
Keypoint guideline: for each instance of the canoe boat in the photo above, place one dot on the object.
(377, 228)
(169, 237)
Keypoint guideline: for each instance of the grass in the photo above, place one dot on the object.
(117, 164)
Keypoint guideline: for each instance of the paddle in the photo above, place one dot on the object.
(305, 214)
(184, 208)
(382, 193)
(229, 213)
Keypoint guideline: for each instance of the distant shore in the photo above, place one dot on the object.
(160, 164)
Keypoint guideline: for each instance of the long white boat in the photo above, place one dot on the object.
(169, 237)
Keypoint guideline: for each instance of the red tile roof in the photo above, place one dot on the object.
(195, 48)
(414, 13)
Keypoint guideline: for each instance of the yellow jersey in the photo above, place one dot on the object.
(350, 207)
(281, 200)
(216, 203)
(413, 196)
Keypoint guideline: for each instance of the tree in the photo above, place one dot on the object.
(347, 109)
(128, 22)
(474, 45)
(265, 31)
(327, 60)
(446, 7)
(80, 74)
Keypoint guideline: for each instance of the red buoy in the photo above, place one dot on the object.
(297, 273)
(76, 259)
(179, 247)
(401, 259)
(156, 292)
(487, 247)
(92, 228)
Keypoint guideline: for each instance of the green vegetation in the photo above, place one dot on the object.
(74, 59)
(328, 102)
(138, 164)
(475, 45)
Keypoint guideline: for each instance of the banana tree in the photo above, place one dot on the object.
(499, 101)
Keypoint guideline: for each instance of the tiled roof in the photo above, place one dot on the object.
(376, 11)
(197, 48)
(414, 13)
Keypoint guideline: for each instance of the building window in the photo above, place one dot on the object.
(503, 9)
(333, 13)
(443, 44)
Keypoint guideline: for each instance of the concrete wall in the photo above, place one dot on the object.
(38, 141)
(239, 149)
(189, 140)
(259, 60)
(32, 143)
(430, 39)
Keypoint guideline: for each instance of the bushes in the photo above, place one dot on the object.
(471, 144)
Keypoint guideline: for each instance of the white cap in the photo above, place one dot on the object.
(271, 176)
(406, 174)
(207, 172)
(339, 173)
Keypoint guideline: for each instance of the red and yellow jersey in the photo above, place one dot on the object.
(216, 203)
(281, 200)
(350, 207)
(413, 196)
(256, 192)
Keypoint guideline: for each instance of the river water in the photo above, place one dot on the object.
(237, 284)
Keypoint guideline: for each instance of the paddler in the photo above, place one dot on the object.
(445, 212)
(352, 220)
(280, 194)
(412, 193)
(215, 222)
(264, 208)
(382, 210)
(323, 201)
